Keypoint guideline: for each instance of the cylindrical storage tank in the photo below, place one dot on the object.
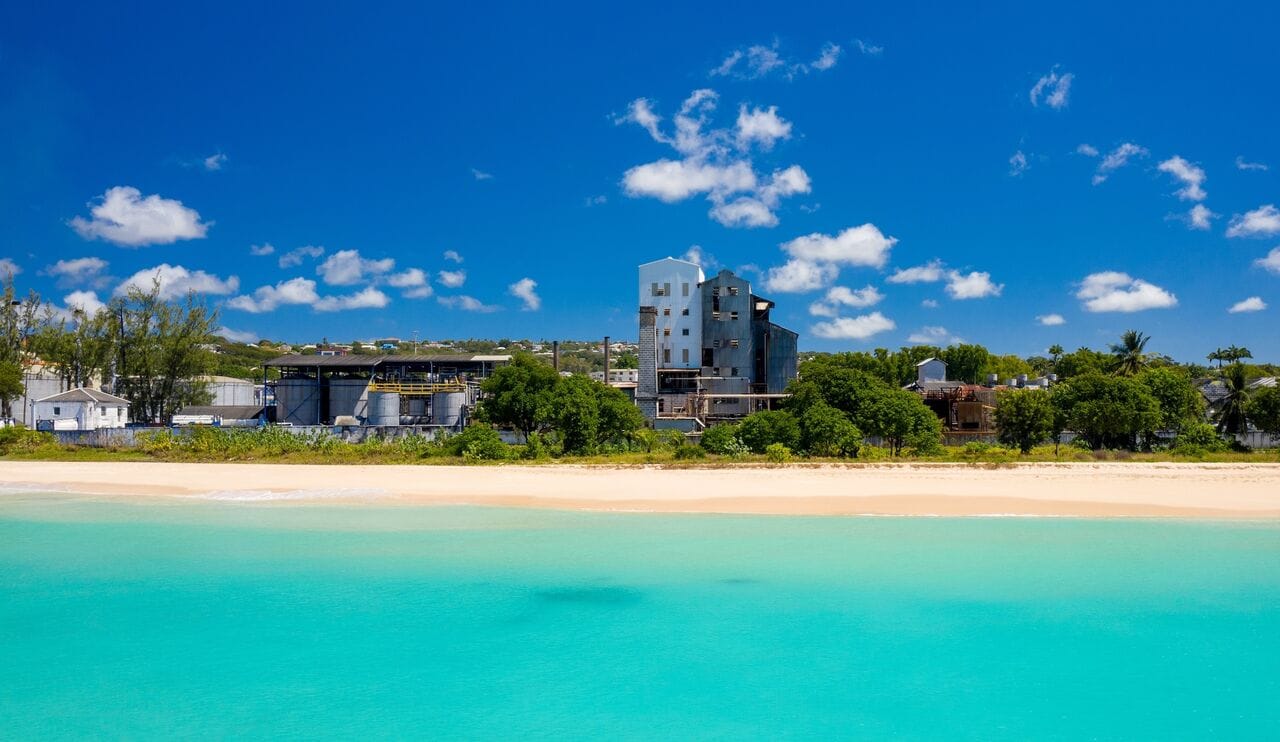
(348, 397)
(298, 401)
(446, 408)
(993, 379)
(384, 408)
(229, 392)
(416, 407)
(1022, 379)
(1052, 377)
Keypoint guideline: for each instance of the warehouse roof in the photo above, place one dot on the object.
(373, 361)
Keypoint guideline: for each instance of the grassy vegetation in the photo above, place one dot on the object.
(480, 446)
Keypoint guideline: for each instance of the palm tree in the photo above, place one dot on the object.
(1129, 353)
(1055, 352)
(1231, 408)
(1216, 355)
(1236, 353)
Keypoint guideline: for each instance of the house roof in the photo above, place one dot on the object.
(82, 394)
(929, 359)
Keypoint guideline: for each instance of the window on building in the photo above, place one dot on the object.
(715, 290)
(653, 289)
(733, 291)
(666, 332)
(666, 289)
(666, 311)
(715, 371)
(708, 356)
(733, 371)
(684, 354)
(715, 315)
(733, 343)
(57, 410)
(733, 315)
(666, 355)
(684, 289)
(684, 331)
(715, 343)
(684, 312)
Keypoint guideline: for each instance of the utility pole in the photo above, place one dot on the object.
(415, 342)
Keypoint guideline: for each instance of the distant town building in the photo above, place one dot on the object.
(80, 409)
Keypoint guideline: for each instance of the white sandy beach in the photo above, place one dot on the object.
(1068, 489)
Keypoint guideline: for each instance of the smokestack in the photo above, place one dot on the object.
(555, 355)
(647, 388)
(606, 359)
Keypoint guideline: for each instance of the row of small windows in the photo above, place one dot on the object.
(666, 312)
(732, 290)
(720, 315)
(656, 289)
(666, 355)
(666, 331)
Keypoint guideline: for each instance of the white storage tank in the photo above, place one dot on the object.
(298, 401)
(446, 408)
(384, 409)
(348, 397)
(227, 391)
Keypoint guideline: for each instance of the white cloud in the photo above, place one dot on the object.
(75, 271)
(1088, 150)
(1261, 222)
(452, 256)
(933, 335)
(842, 296)
(868, 49)
(863, 245)
(481, 175)
(466, 303)
(973, 285)
(525, 291)
(215, 161)
(929, 304)
(8, 268)
(1191, 176)
(1112, 291)
(1252, 304)
(421, 292)
(452, 279)
(714, 163)
(597, 200)
(346, 267)
(695, 254)
(853, 328)
(763, 126)
(86, 301)
(238, 336)
(1051, 320)
(1116, 159)
(1271, 262)
(1056, 89)
(409, 278)
(295, 256)
(798, 276)
(261, 250)
(177, 281)
(267, 298)
(827, 57)
(367, 298)
(1200, 217)
(1242, 164)
(126, 218)
(931, 272)
(1018, 164)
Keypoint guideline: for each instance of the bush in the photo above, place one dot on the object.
(761, 429)
(777, 453)
(19, 438)
(721, 439)
(826, 431)
(688, 451)
(672, 440)
(479, 442)
(1199, 439)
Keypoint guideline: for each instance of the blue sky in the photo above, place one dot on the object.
(1034, 164)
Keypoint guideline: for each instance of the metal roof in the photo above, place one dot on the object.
(82, 394)
(372, 361)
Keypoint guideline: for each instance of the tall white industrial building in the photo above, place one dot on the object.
(671, 287)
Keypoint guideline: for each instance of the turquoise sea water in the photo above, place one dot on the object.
(210, 619)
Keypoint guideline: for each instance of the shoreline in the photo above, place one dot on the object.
(1091, 490)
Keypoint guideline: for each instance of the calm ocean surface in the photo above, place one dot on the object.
(187, 618)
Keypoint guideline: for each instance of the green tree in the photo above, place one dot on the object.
(619, 417)
(1180, 403)
(965, 362)
(1024, 418)
(1055, 352)
(721, 439)
(901, 419)
(1107, 411)
(1006, 366)
(79, 351)
(1082, 361)
(518, 395)
(1263, 410)
(576, 412)
(1233, 408)
(760, 429)
(162, 349)
(826, 431)
(1129, 355)
(11, 386)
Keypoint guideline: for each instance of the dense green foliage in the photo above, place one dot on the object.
(1108, 411)
(1025, 419)
(1263, 410)
(762, 429)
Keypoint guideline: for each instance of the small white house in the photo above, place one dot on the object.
(80, 409)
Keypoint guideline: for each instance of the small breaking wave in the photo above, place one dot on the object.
(280, 495)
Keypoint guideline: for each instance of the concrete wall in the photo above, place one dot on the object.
(36, 385)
